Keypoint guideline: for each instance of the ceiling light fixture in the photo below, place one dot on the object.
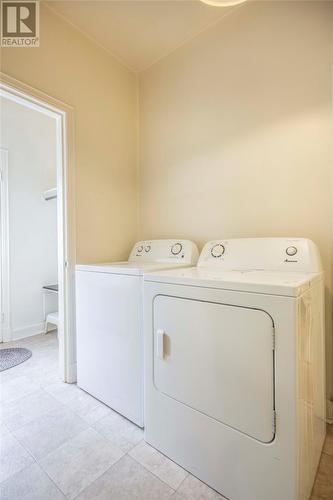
(222, 3)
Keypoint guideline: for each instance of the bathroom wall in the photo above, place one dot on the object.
(236, 132)
(103, 92)
(30, 139)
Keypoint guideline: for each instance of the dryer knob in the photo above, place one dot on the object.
(140, 248)
(176, 248)
(217, 250)
(147, 248)
(291, 251)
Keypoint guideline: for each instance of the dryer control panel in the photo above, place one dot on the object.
(164, 251)
(269, 254)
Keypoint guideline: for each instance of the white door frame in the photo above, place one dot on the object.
(64, 116)
(4, 249)
(329, 335)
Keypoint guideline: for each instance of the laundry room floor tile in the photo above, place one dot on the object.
(85, 405)
(47, 433)
(13, 456)
(193, 489)
(127, 480)
(80, 461)
(22, 411)
(96, 413)
(30, 484)
(16, 388)
(120, 431)
(158, 464)
(43, 376)
(61, 391)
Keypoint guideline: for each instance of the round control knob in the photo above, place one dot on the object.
(147, 248)
(291, 251)
(217, 250)
(176, 248)
(140, 248)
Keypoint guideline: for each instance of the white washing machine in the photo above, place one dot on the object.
(109, 322)
(234, 356)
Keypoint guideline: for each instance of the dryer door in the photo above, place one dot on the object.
(218, 359)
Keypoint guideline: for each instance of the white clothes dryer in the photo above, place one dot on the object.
(234, 356)
(109, 322)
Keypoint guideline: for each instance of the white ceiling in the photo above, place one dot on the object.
(139, 32)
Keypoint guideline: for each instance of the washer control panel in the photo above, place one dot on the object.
(282, 254)
(164, 251)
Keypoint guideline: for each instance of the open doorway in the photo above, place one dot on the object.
(38, 246)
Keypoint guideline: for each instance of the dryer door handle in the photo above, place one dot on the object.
(160, 343)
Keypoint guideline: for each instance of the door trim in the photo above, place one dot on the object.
(66, 202)
(5, 330)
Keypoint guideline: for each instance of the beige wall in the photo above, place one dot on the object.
(236, 133)
(71, 68)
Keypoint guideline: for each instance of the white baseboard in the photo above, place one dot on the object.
(28, 331)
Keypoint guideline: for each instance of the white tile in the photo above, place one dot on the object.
(16, 388)
(61, 391)
(10, 374)
(193, 489)
(30, 484)
(158, 464)
(46, 351)
(3, 431)
(43, 376)
(13, 457)
(23, 411)
(80, 461)
(127, 480)
(44, 361)
(96, 414)
(47, 433)
(85, 405)
(120, 431)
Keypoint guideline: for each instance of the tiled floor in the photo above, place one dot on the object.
(58, 442)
